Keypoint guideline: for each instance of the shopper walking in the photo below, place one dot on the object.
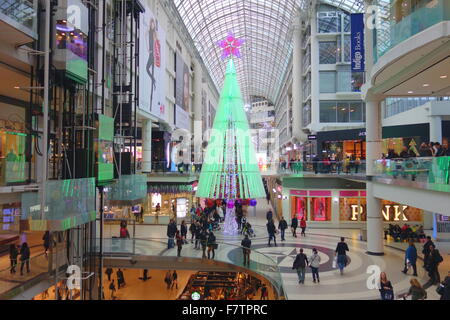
(246, 245)
(112, 289)
(341, 253)
(183, 231)
(203, 242)
(416, 291)
(445, 293)
(269, 215)
(120, 279)
(426, 250)
(198, 234)
(211, 245)
(109, 272)
(46, 238)
(264, 292)
(13, 254)
(411, 258)
(24, 257)
(300, 263)
(303, 226)
(386, 289)
(179, 240)
(314, 263)
(174, 280)
(294, 226)
(168, 279)
(171, 231)
(124, 234)
(145, 276)
(434, 260)
(192, 229)
(271, 230)
(282, 226)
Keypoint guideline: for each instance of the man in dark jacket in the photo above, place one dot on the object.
(269, 215)
(300, 263)
(434, 260)
(294, 225)
(341, 253)
(271, 230)
(446, 284)
(282, 225)
(426, 250)
(171, 230)
(246, 245)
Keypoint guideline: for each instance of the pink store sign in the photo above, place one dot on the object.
(298, 192)
(319, 193)
(362, 193)
(348, 193)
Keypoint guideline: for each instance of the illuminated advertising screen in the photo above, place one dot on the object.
(182, 97)
(104, 148)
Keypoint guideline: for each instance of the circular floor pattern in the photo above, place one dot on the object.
(284, 255)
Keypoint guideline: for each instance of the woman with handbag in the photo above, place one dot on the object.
(386, 289)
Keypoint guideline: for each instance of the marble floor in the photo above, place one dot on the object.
(356, 282)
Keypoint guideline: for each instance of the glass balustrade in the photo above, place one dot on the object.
(225, 252)
(430, 170)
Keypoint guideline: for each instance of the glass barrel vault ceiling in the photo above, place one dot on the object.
(266, 27)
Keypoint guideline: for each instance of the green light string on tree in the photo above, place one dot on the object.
(230, 170)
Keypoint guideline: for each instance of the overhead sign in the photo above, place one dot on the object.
(312, 137)
(357, 42)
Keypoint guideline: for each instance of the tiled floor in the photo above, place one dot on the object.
(351, 285)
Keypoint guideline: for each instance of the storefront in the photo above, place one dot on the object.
(348, 143)
(342, 205)
(346, 209)
(167, 201)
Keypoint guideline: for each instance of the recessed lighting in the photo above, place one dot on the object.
(426, 85)
(410, 91)
(443, 77)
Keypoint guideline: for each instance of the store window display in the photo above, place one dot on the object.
(320, 208)
(12, 157)
(299, 208)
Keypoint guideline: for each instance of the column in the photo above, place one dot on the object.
(436, 129)
(297, 97)
(375, 243)
(147, 145)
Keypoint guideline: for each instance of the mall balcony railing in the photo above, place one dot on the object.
(225, 252)
(350, 167)
(21, 14)
(391, 32)
(425, 172)
(184, 168)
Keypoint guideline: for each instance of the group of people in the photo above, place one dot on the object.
(431, 260)
(282, 226)
(302, 261)
(405, 232)
(201, 234)
(120, 281)
(24, 252)
(432, 149)
(335, 162)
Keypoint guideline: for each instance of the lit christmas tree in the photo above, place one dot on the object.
(230, 170)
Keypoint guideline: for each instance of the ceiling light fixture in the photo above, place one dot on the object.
(410, 91)
(443, 77)
(426, 85)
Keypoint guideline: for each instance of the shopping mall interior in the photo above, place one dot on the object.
(224, 150)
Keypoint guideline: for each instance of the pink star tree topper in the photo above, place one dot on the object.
(230, 46)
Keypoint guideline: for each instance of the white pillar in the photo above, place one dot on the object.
(147, 146)
(375, 243)
(297, 97)
(436, 129)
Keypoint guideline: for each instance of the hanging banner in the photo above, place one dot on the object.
(357, 42)
(152, 65)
